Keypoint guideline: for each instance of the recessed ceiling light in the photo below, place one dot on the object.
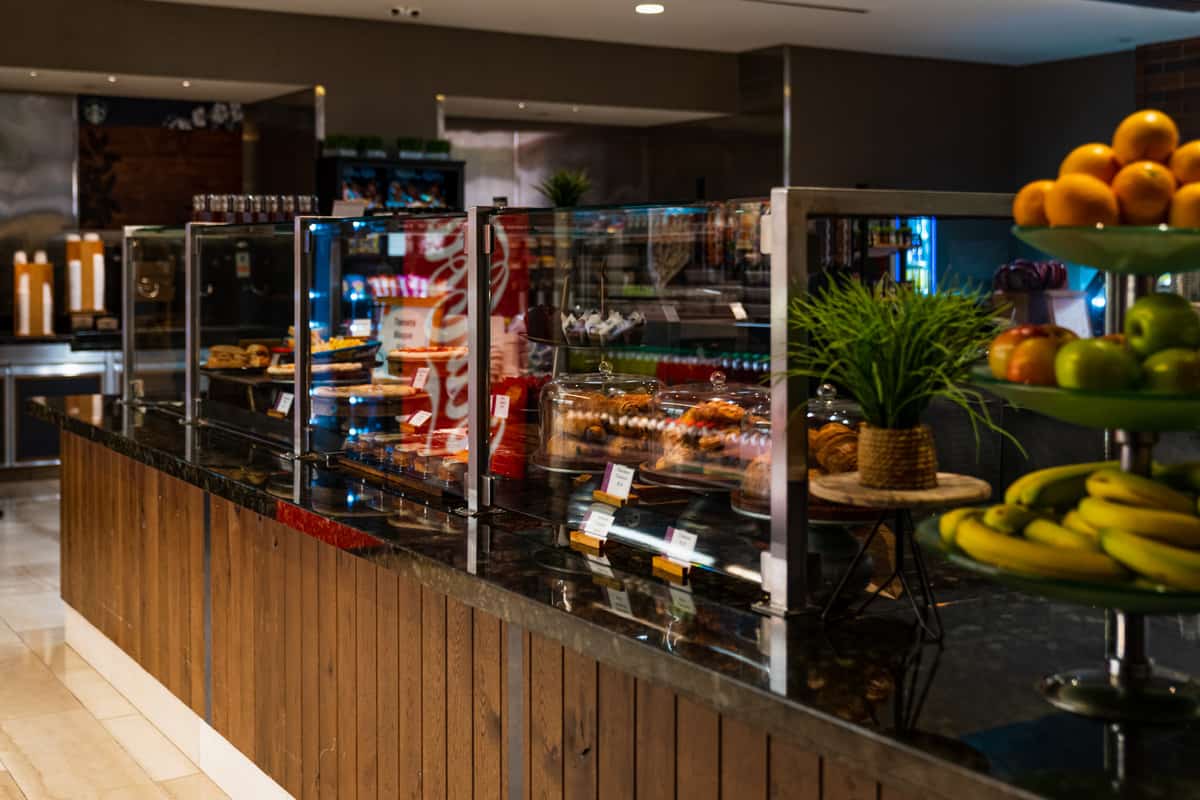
(186, 84)
(441, 98)
(112, 78)
(575, 109)
(521, 105)
(33, 73)
(649, 8)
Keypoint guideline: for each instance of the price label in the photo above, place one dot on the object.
(283, 403)
(275, 359)
(457, 443)
(598, 521)
(618, 601)
(682, 600)
(739, 311)
(500, 406)
(618, 480)
(600, 565)
(681, 545)
(670, 312)
(420, 379)
(420, 418)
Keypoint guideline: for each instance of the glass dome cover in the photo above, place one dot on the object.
(593, 418)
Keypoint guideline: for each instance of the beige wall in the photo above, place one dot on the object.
(381, 77)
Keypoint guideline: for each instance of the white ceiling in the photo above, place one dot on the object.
(999, 31)
(59, 81)
(520, 110)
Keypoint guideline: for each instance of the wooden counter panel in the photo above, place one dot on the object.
(342, 679)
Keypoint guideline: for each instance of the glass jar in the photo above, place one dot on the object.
(591, 419)
(709, 432)
(832, 431)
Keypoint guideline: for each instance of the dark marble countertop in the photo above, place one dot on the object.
(958, 720)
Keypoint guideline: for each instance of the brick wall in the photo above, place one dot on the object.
(1168, 78)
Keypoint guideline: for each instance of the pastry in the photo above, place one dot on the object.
(227, 356)
(258, 356)
(372, 391)
(756, 483)
(326, 370)
(427, 354)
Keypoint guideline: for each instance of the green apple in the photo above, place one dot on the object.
(1100, 365)
(1159, 321)
(1175, 370)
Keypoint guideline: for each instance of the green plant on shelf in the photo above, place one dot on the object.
(565, 188)
(894, 349)
(440, 146)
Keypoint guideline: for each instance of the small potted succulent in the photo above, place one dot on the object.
(437, 148)
(372, 147)
(565, 188)
(894, 350)
(337, 144)
(409, 147)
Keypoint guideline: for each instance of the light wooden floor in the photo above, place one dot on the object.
(65, 732)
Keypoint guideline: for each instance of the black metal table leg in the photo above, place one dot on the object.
(827, 612)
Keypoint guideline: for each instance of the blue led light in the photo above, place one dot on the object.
(1099, 301)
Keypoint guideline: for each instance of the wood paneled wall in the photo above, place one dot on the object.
(341, 679)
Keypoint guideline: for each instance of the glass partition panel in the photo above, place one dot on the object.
(155, 279)
(634, 337)
(245, 278)
(388, 325)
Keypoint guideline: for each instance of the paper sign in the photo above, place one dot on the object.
(241, 261)
(283, 403)
(682, 600)
(599, 565)
(500, 406)
(420, 378)
(275, 359)
(407, 323)
(670, 313)
(598, 521)
(680, 546)
(739, 311)
(618, 601)
(618, 480)
(420, 418)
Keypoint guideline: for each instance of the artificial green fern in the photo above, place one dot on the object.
(565, 188)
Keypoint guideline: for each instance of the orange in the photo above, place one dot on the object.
(1185, 162)
(1145, 135)
(1097, 160)
(1185, 207)
(1029, 206)
(1144, 191)
(1081, 200)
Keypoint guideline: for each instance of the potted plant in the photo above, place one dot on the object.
(894, 350)
(565, 188)
(437, 148)
(337, 144)
(372, 147)
(410, 147)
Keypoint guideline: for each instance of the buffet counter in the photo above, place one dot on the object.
(351, 643)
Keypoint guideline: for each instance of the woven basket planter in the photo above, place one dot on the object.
(896, 458)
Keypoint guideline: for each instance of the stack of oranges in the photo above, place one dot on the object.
(1144, 178)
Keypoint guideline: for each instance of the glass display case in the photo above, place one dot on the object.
(243, 288)
(154, 314)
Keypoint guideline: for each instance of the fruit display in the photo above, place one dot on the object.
(1090, 523)
(1156, 354)
(1144, 177)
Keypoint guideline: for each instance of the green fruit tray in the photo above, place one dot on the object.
(1133, 598)
(1124, 249)
(1129, 410)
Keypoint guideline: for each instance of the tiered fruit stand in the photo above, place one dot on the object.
(1128, 687)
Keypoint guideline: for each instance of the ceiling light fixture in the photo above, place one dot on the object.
(441, 98)
(649, 8)
(186, 84)
(33, 73)
(521, 105)
(112, 78)
(575, 109)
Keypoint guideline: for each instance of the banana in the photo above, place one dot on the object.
(1056, 487)
(1019, 555)
(1075, 521)
(1135, 490)
(948, 522)
(1172, 566)
(1185, 477)
(1047, 532)
(1009, 518)
(1163, 526)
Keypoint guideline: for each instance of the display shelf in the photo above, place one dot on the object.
(1131, 410)
(1125, 250)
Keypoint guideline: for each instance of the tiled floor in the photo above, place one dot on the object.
(65, 732)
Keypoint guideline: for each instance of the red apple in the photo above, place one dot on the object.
(1032, 361)
(1002, 347)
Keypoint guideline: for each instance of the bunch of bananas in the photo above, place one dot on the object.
(1090, 522)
